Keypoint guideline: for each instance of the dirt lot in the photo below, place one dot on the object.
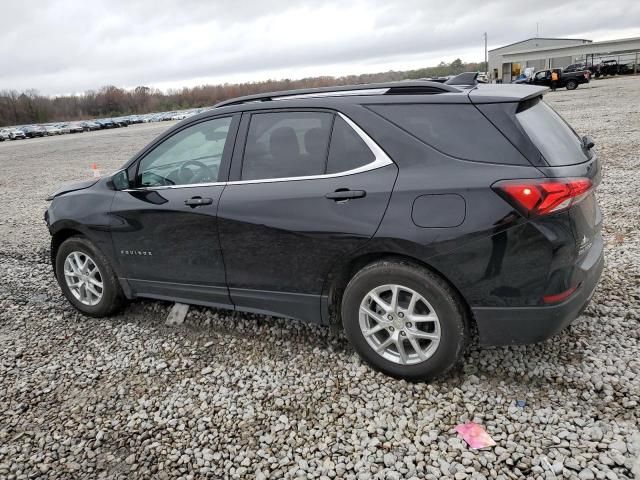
(241, 396)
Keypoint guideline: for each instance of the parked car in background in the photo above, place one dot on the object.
(33, 131)
(106, 123)
(16, 134)
(90, 126)
(575, 67)
(612, 67)
(121, 121)
(357, 205)
(52, 130)
(64, 127)
(4, 134)
(569, 80)
(76, 127)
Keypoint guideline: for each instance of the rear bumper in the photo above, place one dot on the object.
(523, 325)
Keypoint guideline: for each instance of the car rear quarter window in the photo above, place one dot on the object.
(286, 144)
(347, 150)
(456, 130)
(555, 139)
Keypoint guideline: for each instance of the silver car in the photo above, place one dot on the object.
(52, 130)
(16, 133)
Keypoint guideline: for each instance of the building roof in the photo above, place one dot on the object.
(619, 45)
(542, 38)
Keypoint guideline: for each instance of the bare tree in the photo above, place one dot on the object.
(31, 107)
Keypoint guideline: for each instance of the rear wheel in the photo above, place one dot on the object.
(87, 279)
(404, 320)
(572, 85)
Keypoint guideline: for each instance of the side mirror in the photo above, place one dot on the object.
(588, 142)
(119, 180)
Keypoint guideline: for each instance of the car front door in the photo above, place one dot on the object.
(164, 227)
(542, 78)
(309, 188)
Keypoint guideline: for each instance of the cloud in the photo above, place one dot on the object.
(65, 46)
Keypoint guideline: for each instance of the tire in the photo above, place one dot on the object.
(572, 85)
(112, 297)
(441, 299)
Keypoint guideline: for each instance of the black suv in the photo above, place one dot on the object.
(411, 213)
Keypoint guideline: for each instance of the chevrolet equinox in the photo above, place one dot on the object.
(415, 214)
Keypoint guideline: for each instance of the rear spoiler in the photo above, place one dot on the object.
(503, 93)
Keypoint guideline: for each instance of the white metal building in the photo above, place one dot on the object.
(506, 63)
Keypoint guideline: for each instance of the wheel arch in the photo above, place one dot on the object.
(58, 238)
(340, 276)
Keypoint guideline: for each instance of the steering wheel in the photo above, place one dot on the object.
(188, 175)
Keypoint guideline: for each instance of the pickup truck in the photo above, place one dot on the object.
(570, 80)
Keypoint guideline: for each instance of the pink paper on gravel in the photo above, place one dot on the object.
(475, 435)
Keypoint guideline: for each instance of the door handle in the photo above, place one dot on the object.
(345, 194)
(198, 201)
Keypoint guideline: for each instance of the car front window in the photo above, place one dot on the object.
(191, 156)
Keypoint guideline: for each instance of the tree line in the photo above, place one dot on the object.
(29, 106)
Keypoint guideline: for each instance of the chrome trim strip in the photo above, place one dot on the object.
(381, 160)
(343, 93)
(167, 187)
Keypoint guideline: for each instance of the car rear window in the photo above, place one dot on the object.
(555, 139)
(459, 131)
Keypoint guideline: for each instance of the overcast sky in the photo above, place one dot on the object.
(70, 46)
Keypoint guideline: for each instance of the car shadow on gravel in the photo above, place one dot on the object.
(203, 321)
(518, 364)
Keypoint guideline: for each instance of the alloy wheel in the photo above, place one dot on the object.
(399, 324)
(83, 278)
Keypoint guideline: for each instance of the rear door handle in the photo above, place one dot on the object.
(197, 201)
(345, 194)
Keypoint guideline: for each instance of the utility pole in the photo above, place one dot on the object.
(486, 63)
(537, 31)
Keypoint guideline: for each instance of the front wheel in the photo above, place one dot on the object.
(404, 320)
(87, 279)
(572, 85)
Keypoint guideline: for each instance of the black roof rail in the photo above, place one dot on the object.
(466, 78)
(408, 87)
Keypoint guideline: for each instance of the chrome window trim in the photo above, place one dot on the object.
(381, 159)
(167, 187)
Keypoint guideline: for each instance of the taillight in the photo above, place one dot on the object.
(559, 297)
(543, 197)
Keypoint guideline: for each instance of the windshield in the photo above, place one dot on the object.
(558, 143)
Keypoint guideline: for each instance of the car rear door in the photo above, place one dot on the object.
(307, 189)
(164, 228)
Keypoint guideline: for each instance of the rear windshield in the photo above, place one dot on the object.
(557, 141)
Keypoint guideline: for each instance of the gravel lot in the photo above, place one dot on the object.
(242, 396)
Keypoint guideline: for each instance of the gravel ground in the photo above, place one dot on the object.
(241, 396)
